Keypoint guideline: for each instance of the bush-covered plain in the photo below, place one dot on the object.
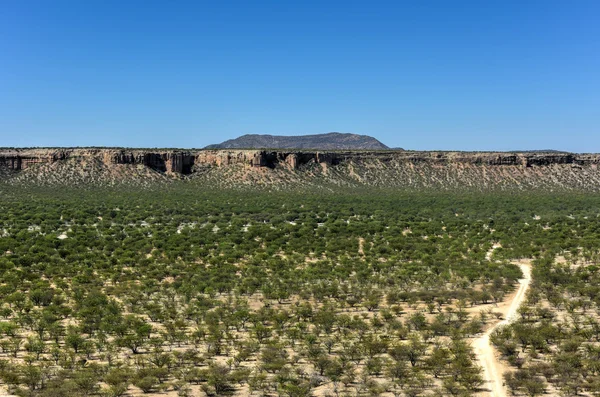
(190, 291)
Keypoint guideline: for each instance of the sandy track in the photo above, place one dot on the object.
(486, 354)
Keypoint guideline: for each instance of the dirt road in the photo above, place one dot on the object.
(484, 350)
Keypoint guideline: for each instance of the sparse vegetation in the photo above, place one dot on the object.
(553, 346)
(117, 292)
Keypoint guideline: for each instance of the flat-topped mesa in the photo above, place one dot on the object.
(184, 161)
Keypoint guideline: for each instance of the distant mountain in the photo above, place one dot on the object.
(330, 141)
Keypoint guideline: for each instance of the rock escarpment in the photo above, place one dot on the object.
(183, 162)
(413, 169)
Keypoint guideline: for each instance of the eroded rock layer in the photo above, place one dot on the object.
(396, 168)
(183, 161)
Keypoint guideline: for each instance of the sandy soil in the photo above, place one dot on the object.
(493, 369)
(4, 393)
(488, 255)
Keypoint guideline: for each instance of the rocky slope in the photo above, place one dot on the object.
(408, 169)
(330, 141)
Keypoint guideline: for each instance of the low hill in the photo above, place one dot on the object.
(330, 141)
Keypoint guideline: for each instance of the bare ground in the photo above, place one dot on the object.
(493, 369)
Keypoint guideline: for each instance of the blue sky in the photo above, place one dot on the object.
(452, 75)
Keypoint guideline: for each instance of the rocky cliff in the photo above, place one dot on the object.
(183, 162)
(396, 168)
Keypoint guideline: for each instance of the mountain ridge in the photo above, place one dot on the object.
(328, 141)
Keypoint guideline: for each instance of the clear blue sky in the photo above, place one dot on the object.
(418, 74)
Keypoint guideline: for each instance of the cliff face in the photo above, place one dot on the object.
(180, 162)
(175, 162)
(164, 161)
(231, 167)
(183, 162)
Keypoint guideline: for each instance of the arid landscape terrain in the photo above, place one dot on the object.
(129, 272)
(299, 198)
(276, 169)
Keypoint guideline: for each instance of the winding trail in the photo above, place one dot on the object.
(483, 348)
